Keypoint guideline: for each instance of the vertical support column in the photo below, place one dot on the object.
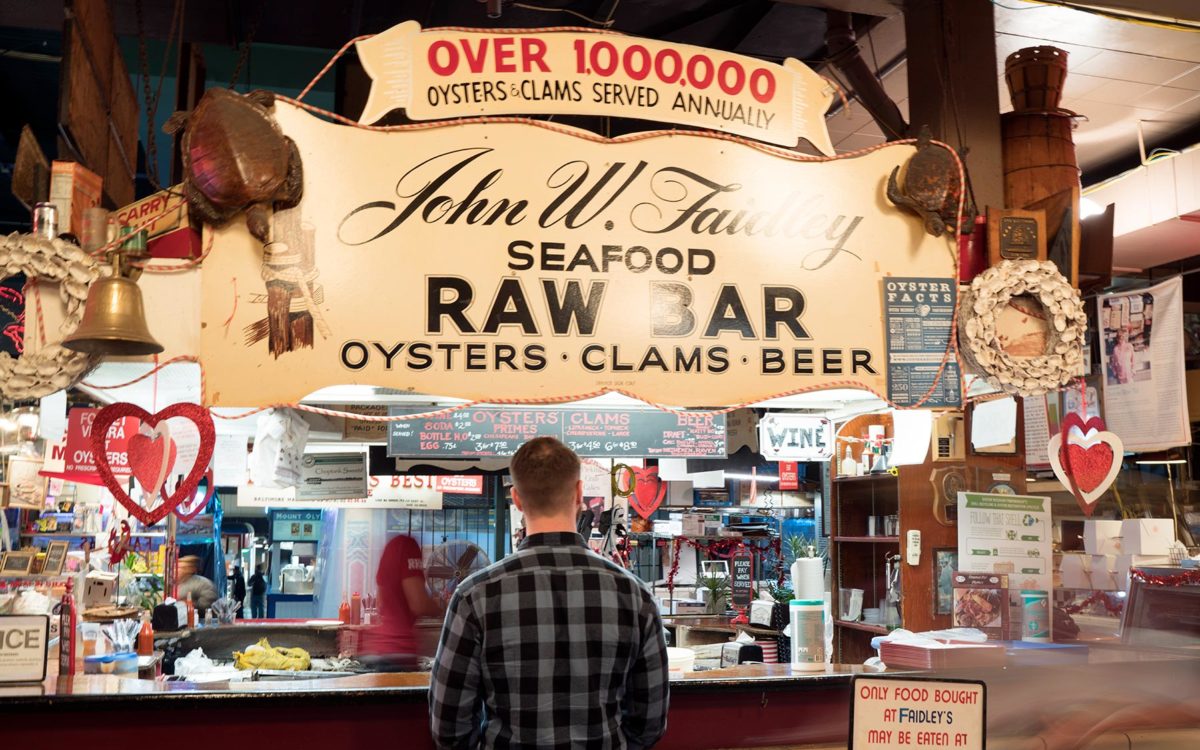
(953, 85)
(500, 503)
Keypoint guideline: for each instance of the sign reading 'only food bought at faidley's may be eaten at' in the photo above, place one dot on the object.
(514, 260)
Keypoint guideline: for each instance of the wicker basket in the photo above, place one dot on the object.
(1035, 77)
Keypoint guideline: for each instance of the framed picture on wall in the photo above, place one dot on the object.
(945, 562)
(56, 556)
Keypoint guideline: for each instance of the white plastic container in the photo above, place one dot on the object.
(679, 661)
(807, 626)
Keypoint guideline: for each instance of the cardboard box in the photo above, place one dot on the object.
(1090, 572)
(73, 187)
(1102, 537)
(689, 607)
(1124, 563)
(1147, 536)
(171, 235)
(668, 528)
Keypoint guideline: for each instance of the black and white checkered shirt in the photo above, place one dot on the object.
(551, 647)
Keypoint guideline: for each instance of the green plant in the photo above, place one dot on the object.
(781, 594)
(796, 547)
(145, 591)
(718, 592)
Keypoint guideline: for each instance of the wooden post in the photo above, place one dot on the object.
(953, 87)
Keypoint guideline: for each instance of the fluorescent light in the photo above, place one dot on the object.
(1162, 462)
(753, 477)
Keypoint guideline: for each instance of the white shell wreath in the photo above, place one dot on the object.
(989, 293)
(52, 367)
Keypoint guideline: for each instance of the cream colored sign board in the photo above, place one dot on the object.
(445, 73)
(515, 261)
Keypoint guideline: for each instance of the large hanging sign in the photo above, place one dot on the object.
(795, 437)
(446, 73)
(518, 261)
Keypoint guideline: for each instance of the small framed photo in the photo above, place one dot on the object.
(56, 556)
(17, 563)
(945, 562)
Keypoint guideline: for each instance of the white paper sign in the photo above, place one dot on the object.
(384, 492)
(905, 713)
(229, 460)
(331, 476)
(1008, 534)
(795, 437)
(994, 423)
(911, 430)
(23, 643)
(52, 416)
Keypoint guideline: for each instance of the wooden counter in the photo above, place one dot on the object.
(749, 706)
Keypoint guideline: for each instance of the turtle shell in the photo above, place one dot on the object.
(236, 153)
(930, 177)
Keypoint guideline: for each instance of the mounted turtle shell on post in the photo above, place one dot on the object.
(931, 187)
(236, 158)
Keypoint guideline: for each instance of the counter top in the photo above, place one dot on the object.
(410, 685)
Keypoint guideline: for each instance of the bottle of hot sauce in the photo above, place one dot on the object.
(145, 640)
(344, 612)
(356, 609)
(191, 612)
(66, 632)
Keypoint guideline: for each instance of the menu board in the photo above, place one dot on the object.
(918, 315)
(500, 431)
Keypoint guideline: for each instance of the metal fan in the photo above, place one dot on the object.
(450, 563)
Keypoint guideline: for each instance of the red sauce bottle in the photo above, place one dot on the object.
(356, 609)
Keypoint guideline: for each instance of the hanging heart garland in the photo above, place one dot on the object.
(149, 467)
(649, 491)
(185, 512)
(1088, 465)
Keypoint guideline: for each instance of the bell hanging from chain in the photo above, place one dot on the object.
(114, 316)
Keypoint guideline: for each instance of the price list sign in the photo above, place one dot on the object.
(918, 315)
(892, 714)
(499, 431)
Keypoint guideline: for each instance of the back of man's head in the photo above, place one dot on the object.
(545, 474)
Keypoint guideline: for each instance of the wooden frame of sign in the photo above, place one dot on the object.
(16, 563)
(1014, 234)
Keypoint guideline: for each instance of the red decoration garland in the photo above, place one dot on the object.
(1099, 597)
(1190, 577)
(723, 548)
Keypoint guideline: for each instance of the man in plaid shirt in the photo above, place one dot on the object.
(553, 646)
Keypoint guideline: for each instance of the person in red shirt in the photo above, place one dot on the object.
(391, 645)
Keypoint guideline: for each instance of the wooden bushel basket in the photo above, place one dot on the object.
(1035, 77)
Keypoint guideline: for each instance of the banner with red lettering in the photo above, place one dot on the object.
(789, 475)
(445, 73)
(399, 492)
(79, 462)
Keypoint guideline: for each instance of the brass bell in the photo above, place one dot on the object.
(114, 318)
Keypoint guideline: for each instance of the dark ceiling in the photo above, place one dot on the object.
(31, 41)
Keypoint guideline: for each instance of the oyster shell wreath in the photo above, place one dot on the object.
(52, 367)
(1066, 326)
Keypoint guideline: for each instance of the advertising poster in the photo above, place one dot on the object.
(918, 315)
(1009, 535)
(1142, 363)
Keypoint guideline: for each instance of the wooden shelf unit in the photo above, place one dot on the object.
(914, 494)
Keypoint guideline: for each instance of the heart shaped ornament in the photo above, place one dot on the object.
(155, 456)
(648, 493)
(1087, 467)
(151, 455)
(187, 511)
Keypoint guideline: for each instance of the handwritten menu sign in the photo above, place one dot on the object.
(499, 431)
(918, 315)
(892, 713)
(742, 580)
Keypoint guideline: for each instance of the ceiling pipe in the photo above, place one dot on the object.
(844, 54)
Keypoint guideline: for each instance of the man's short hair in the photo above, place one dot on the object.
(544, 473)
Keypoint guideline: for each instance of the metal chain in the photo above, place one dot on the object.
(245, 51)
(151, 100)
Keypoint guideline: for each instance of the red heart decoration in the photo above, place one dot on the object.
(649, 493)
(185, 513)
(1074, 420)
(187, 488)
(118, 543)
(1088, 466)
(151, 458)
